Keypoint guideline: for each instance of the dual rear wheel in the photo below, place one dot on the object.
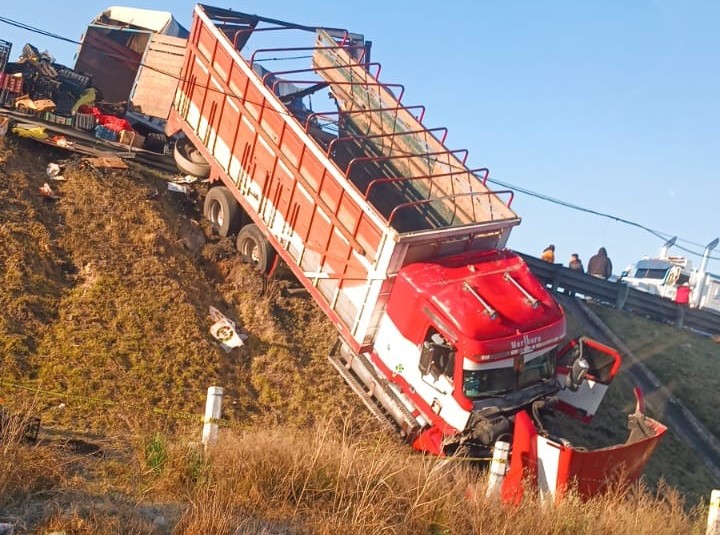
(223, 211)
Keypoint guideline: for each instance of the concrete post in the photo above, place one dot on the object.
(498, 468)
(213, 410)
(713, 524)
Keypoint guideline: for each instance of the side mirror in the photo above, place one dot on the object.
(577, 374)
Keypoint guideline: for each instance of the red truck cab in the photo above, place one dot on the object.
(470, 339)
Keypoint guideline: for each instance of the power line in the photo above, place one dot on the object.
(657, 233)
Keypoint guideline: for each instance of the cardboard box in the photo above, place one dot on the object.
(132, 138)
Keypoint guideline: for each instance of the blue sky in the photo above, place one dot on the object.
(613, 106)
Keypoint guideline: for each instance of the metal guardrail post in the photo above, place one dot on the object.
(680, 319)
(622, 295)
(556, 276)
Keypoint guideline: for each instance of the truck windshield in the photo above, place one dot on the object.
(648, 273)
(498, 381)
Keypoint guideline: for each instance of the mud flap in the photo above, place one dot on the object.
(582, 395)
(556, 466)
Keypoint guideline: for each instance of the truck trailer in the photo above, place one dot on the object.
(444, 333)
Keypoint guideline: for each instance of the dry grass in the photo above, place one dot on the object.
(331, 478)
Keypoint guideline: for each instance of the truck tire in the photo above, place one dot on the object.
(222, 210)
(188, 159)
(255, 248)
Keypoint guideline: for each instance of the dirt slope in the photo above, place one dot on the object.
(106, 294)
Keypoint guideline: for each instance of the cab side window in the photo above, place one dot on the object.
(437, 357)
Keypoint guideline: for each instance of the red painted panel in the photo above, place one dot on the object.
(292, 147)
(227, 123)
(272, 124)
(312, 170)
(338, 254)
(330, 192)
(368, 235)
(223, 63)
(348, 212)
(254, 101)
(303, 214)
(523, 461)
(319, 237)
(594, 471)
(205, 43)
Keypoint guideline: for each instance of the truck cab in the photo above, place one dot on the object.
(470, 340)
(659, 276)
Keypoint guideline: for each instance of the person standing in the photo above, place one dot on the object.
(575, 263)
(548, 254)
(600, 265)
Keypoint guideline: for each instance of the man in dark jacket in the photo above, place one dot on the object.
(600, 265)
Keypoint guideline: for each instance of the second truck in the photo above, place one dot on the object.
(444, 333)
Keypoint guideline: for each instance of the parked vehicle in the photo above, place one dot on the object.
(666, 274)
(444, 333)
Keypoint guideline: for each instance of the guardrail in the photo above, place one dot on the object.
(621, 296)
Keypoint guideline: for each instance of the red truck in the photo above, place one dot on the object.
(444, 333)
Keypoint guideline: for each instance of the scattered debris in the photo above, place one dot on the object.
(187, 179)
(4, 123)
(62, 141)
(47, 192)
(31, 131)
(53, 172)
(179, 188)
(224, 330)
(106, 162)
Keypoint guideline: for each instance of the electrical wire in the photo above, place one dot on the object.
(657, 233)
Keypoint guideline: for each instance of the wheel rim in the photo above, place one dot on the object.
(251, 251)
(217, 215)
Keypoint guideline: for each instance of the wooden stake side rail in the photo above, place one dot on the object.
(355, 89)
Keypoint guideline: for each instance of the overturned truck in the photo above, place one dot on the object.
(445, 334)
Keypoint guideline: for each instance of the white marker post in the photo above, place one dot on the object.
(498, 468)
(213, 410)
(713, 525)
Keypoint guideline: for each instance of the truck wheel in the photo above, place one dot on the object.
(188, 159)
(255, 249)
(222, 210)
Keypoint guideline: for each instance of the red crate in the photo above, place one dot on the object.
(12, 82)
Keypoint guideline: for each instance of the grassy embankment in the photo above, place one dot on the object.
(105, 336)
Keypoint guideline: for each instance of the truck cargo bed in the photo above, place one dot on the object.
(347, 196)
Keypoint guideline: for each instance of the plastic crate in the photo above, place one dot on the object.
(85, 121)
(74, 78)
(12, 82)
(103, 132)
